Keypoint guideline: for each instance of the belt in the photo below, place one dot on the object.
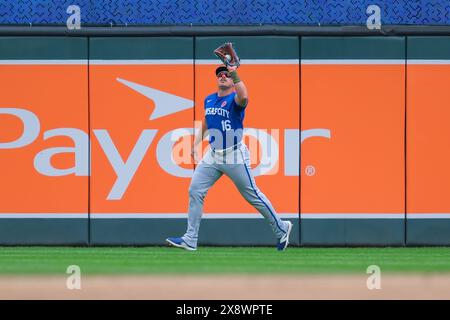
(225, 151)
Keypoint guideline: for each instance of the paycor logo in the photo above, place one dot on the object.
(126, 169)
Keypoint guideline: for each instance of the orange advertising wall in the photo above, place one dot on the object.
(365, 173)
(356, 169)
(124, 118)
(24, 188)
(428, 169)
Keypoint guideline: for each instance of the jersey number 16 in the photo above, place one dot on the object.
(226, 125)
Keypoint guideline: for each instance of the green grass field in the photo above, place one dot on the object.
(223, 260)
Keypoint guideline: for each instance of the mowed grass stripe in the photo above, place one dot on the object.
(220, 260)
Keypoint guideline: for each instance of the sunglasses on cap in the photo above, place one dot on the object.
(225, 73)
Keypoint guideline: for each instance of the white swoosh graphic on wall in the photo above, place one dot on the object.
(165, 103)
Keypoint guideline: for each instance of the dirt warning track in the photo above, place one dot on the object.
(172, 287)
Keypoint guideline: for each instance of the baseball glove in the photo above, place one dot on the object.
(228, 55)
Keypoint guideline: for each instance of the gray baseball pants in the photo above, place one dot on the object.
(236, 165)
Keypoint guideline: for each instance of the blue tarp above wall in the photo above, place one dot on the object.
(207, 12)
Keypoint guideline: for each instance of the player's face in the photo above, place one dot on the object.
(224, 80)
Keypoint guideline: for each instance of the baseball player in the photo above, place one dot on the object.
(224, 115)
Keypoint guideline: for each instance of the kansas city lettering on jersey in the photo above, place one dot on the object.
(217, 111)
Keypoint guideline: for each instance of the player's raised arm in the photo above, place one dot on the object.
(241, 97)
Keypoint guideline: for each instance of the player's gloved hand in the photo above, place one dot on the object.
(228, 55)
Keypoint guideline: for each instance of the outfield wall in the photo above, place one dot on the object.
(349, 137)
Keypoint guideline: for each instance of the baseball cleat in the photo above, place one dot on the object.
(284, 241)
(180, 243)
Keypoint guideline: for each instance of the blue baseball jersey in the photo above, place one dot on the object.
(224, 119)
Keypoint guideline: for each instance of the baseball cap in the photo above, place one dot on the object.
(220, 69)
